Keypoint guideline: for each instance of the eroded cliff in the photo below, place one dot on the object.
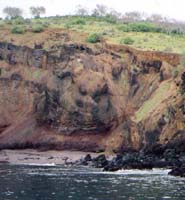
(98, 98)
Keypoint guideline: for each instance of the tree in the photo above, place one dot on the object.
(112, 16)
(12, 12)
(37, 11)
(100, 10)
(132, 16)
(156, 18)
(115, 13)
(81, 11)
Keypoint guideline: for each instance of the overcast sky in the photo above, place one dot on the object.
(171, 8)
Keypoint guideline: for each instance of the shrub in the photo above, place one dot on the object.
(8, 21)
(2, 24)
(79, 21)
(45, 24)
(124, 28)
(177, 31)
(68, 25)
(18, 30)
(94, 38)
(140, 27)
(175, 73)
(27, 21)
(111, 19)
(18, 21)
(127, 40)
(37, 28)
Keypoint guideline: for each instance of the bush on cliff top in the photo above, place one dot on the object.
(140, 27)
(94, 38)
(38, 28)
(2, 24)
(127, 40)
(18, 30)
(18, 21)
(79, 22)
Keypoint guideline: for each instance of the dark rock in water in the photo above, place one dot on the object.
(88, 157)
(156, 149)
(161, 163)
(136, 161)
(170, 154)
(155, 157)
(182, 158)
(138, 165)
(129, 161)
(111, 168)
(86, 161)
(115, 164)
(100, 161)
(178, 171)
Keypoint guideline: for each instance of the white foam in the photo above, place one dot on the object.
(137, 172)
(39, 164)
(152, 172)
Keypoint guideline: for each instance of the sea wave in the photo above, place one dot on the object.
(40, 164)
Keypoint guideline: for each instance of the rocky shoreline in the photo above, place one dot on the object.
(156, 157)
(143, 160)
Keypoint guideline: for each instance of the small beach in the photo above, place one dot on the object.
(30, 156)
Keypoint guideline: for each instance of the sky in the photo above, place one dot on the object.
(169, 8)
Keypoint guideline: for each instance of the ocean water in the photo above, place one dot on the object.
(34, 182)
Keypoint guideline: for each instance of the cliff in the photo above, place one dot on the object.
(92, 98)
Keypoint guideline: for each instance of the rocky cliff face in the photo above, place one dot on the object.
(92, 99)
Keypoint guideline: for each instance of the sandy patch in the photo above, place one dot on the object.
(30, 156)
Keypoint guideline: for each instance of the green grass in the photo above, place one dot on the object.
(176, 71)
(142, 40)
(94, 38)
(37, 28)
(152, 103)
(152, 41)
(113, 33)
(18, 30)
(128, 41)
